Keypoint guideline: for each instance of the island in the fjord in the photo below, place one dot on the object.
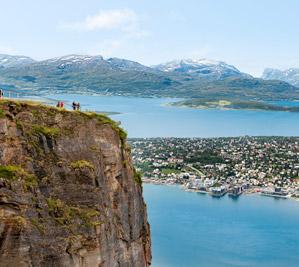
(232, 104)
(69, 194)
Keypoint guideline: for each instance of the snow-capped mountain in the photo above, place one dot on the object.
(7, 61)
(87, 63)
(201, 67)
(290, 75)
(73, 62)
(72, 59)
(125, 64)
(96, 61)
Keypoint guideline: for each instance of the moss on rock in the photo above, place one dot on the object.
(137, 177)
(82, 164)
(50, 132)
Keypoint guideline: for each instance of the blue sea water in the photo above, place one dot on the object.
(192, 229)
(150, 117)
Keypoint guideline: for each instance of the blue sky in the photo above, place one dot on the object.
(250, 34)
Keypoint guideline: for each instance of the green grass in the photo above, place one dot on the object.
(137, 177)
(62, 213)
(2, 114)
(81, 164)
(219, 103)
(39, 225)
(87, 216)
(13, 172)
(30, 181)
(66, 215)
(46, 131)
(167, 171)
(18, 221)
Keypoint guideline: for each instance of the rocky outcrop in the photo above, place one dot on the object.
(69, 195)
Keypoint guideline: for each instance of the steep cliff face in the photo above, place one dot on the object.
(69, 195)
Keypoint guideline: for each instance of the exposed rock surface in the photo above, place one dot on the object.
(69, 195)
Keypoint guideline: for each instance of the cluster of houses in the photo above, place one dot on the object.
(219, 166)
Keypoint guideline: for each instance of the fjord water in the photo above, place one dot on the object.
(150, 117)
(192, 229)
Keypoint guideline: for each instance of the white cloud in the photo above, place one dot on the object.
(125, 20)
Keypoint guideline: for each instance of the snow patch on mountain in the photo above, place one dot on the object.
(289, 75)
(200, 67)
(7, 61)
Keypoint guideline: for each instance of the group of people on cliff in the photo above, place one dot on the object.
(60, 104)
(75, 105)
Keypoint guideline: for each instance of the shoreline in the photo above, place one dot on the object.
(252, 191)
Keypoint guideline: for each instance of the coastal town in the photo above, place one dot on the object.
(218, 166)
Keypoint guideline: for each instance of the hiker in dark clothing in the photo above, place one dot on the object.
(58, 104)
(1, 93)
(76, 106)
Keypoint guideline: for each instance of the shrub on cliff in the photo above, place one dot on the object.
(81, 164)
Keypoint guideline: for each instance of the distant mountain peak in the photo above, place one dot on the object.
(74, 58)
(201, 67)
(290, 75)
(196, 61)
(12, 61)
(126, 64)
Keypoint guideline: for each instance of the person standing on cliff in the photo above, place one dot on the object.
(1, 93)
(74, 105)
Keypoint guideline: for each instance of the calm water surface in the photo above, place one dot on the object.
(192, 229)
(148, 117)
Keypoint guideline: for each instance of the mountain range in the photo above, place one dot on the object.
(290, 76)
(204, 68)
(192, 78)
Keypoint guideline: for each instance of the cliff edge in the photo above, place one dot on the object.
(69, 194)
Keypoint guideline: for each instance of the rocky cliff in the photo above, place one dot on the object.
(69, 195)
